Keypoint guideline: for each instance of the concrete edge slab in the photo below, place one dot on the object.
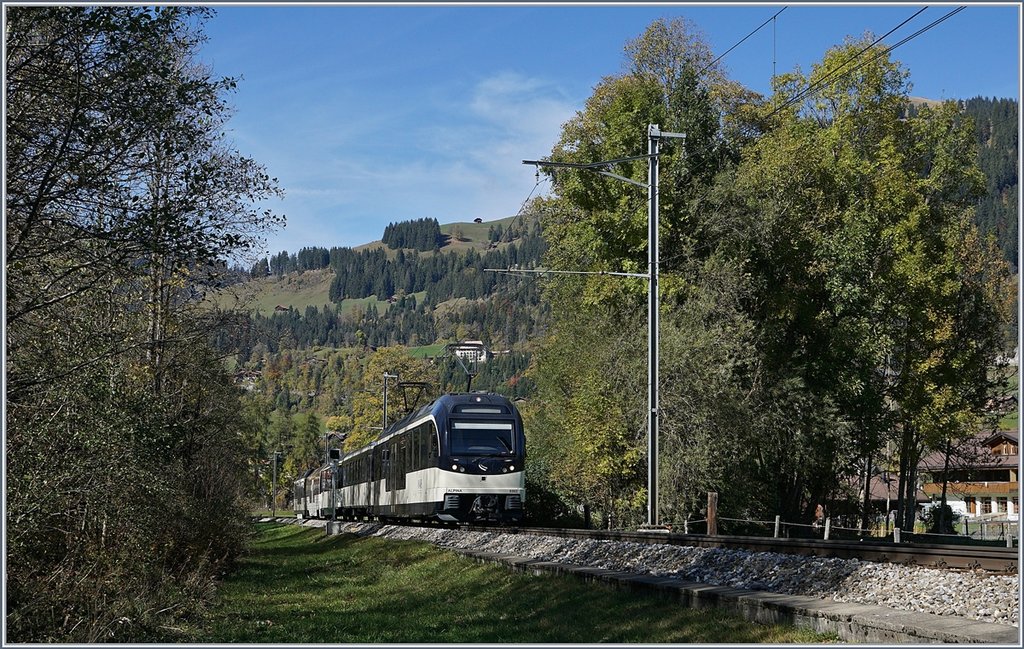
(851, 622)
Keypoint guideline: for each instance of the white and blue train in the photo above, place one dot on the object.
(457, 459)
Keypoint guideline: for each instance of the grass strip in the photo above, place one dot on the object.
(296, 585)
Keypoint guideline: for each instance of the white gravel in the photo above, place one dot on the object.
(968, 594)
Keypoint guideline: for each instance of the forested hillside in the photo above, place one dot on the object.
(995, 127)
(405, 297)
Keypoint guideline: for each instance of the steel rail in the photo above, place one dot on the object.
(987, 558)
(991, 559)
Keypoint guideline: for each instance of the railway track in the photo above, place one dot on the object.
(954, 557)
(995, 560)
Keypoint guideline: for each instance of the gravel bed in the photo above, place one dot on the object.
(968, 594)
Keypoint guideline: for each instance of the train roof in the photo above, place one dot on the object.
(444, 405)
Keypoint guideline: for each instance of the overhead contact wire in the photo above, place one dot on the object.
(740, 42)
(839, 71)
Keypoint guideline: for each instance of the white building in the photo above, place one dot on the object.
(472, 351)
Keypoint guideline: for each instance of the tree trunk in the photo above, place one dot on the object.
(945, 527)
(910, 507)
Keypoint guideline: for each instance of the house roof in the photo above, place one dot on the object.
(886, 485)
(976, 453)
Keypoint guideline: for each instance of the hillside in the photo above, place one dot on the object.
(995, 127)
(299, 289)
(474, 236)
(377, 296)
(365, 283)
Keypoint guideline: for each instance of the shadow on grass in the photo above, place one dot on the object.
(299, 586)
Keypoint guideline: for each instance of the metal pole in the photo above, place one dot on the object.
(653, 134)
(273, 488)
(384, 424)
(334, 482)
(327, 462)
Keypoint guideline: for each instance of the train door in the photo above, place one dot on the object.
(402, 455)
(368, 476)
(391, 483)
(379, 496)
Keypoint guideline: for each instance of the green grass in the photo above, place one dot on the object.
(475, 232)
(427, 351)
(268, 512)
(1012, 419)
(296, 585)
(297, 290)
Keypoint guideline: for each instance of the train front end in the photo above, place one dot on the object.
(482, 461)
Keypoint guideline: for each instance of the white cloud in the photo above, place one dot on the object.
(457, 159)
(524, 105)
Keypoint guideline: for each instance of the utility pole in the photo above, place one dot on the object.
(653, 337)
(273, 485)
(654, 136)
(333, 464)
(384, 423)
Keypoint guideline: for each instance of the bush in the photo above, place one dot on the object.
(934, 523)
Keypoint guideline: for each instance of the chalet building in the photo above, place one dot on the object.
(982, 478)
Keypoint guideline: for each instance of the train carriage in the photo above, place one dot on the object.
(458, 459)
(300, 495)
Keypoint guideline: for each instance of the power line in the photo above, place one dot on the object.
(740, 42)
(911, 37)
(839, 70)
(522, 207)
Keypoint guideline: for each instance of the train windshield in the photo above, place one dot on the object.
(481, 438)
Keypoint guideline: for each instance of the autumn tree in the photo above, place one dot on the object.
(824, 288)
(870, 282)
(599, 224)
(125, 465)
(368, 397)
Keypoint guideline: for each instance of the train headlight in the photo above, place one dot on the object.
(504, 470)
(511, 467)
(455, 467)
(462, 469)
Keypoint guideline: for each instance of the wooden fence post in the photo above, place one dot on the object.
(778, 524)
(828, 524)
(712, 513)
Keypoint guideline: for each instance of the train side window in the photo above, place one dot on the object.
(418, 447)
(414, 449)
(434, 451)
(426, 445)
(403, 447)
(403, 455)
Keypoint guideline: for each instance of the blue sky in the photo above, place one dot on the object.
(374, 114)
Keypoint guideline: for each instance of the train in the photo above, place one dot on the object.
(459, 459)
